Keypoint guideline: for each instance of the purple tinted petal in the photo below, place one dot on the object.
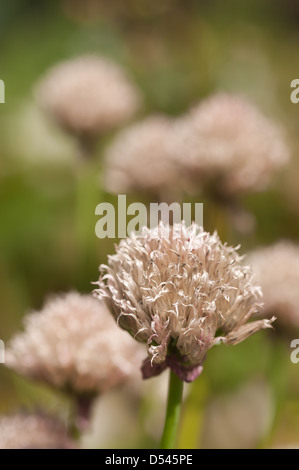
(184, 372)
(151, 370)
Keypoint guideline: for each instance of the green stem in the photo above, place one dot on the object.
(175, 393)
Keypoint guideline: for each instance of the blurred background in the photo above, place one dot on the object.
(177, 53)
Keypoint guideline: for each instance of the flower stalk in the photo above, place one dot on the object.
(172, 419)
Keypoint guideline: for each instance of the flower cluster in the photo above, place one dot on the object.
(227, 144)
(88, 95)
(33, 431)
(277, 270)
(138, 159)
(182, 291)
(73, 344)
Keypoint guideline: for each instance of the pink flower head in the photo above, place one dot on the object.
(180, 290)
(73, 344)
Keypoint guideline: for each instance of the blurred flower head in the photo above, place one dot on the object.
(277, 270)
(226, 144)
(88, 95)
(138, 160)
(182, 291)
(73, 344)
(225, 417)
(33, 431)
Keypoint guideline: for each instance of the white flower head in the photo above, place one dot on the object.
(277, 270)
(73, 344)
(227, 144)
(180, 290)
(88, 95)
(33, 431)
(138, 159)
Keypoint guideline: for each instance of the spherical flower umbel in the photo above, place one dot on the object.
(277, 270)
(33, 431)
(88, 95)
(73, 344)
(138, 160)
(182, 291)
(228, 145)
